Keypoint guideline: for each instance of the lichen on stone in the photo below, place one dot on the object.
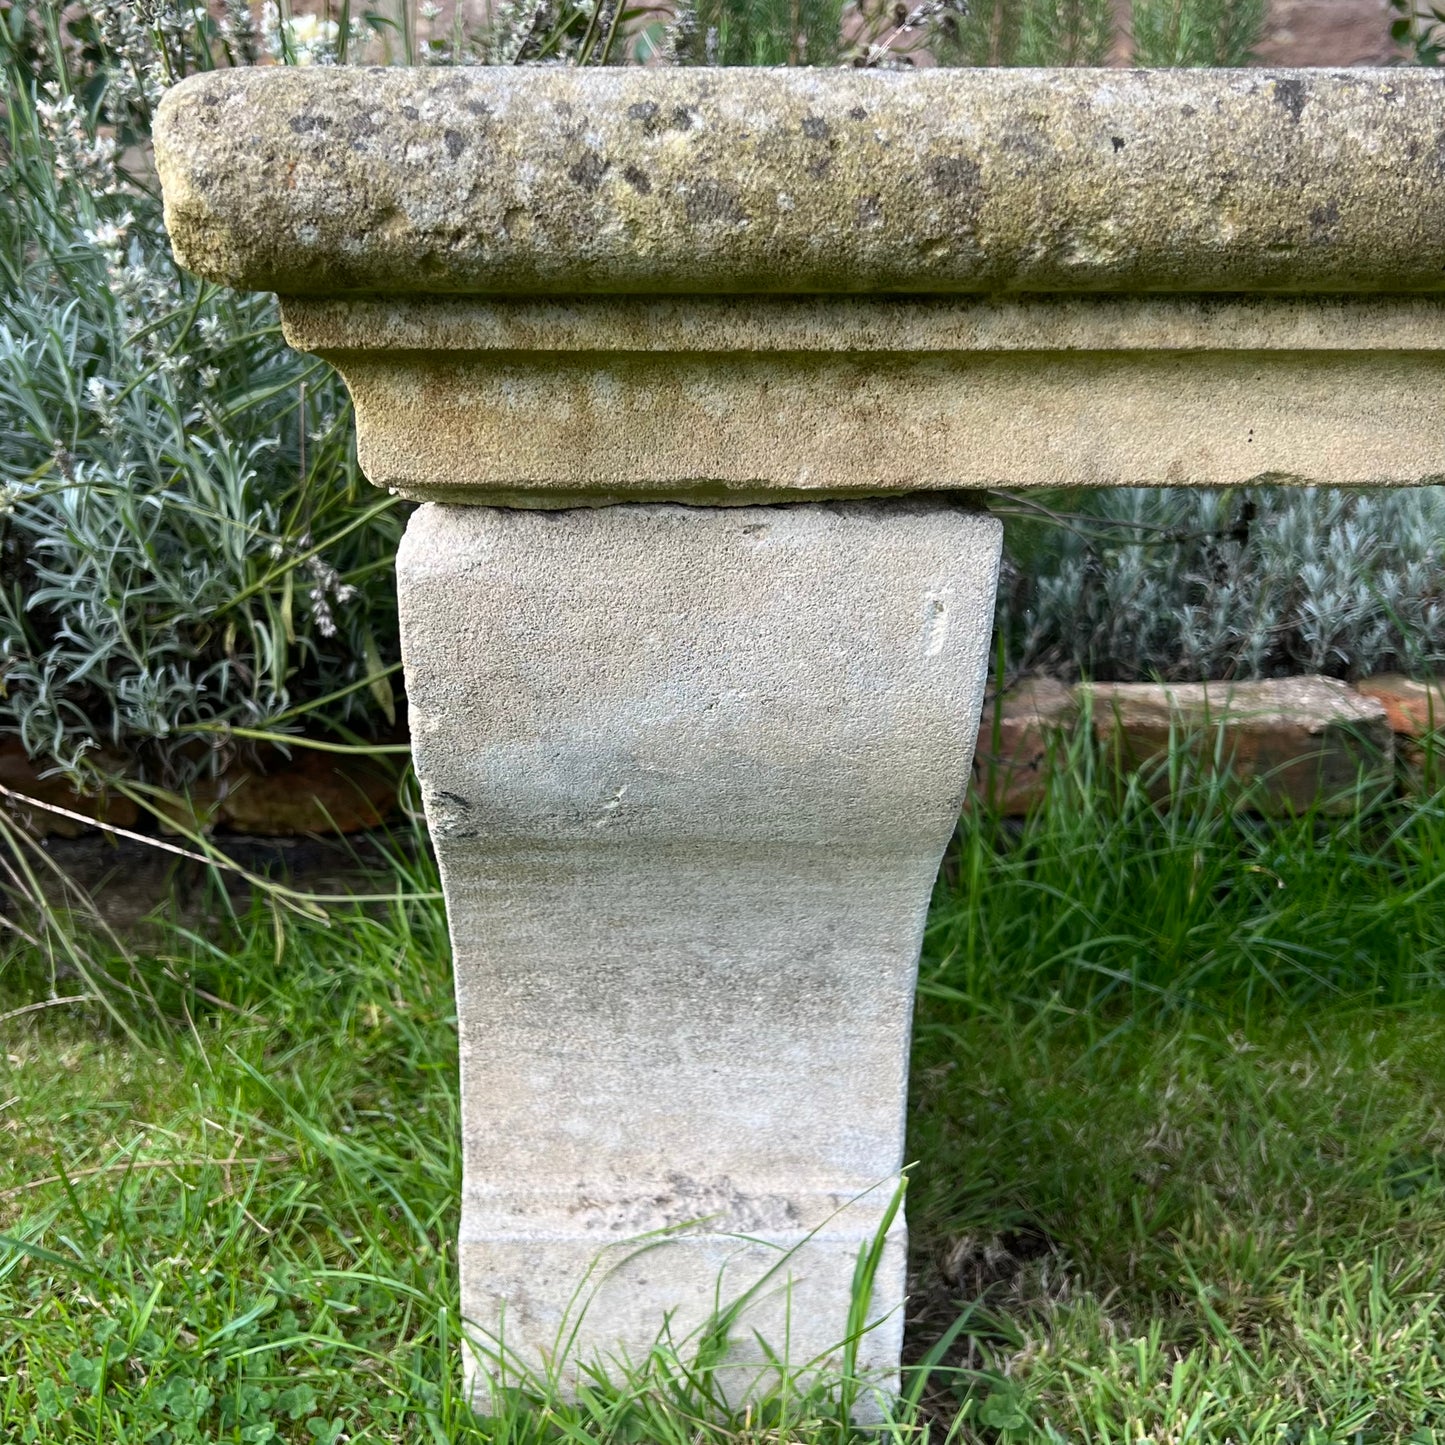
(549, 181)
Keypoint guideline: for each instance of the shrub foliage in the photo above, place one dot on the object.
(187, 548)
(186, 544)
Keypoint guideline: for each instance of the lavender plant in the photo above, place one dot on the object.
(186, 545)
(1251, 582)
(1030, 32)
(1196, 32)
(187, 551)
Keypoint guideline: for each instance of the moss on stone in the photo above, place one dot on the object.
(554, 181)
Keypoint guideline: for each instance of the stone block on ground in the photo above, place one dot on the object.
(1416, 711)
(312, 794)
(21, 775)
(1022, 728)
(1287, 745)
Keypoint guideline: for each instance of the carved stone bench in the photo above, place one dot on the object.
(700, 375)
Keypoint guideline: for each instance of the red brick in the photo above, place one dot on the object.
(1293, 743)
(316, 792)
(1020, 731)
(20, 775)
(1413, 708)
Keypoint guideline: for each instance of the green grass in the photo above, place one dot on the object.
(1178, 1116)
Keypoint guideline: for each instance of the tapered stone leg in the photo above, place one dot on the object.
(689, 773)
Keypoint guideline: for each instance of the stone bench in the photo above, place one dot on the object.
(701, 376)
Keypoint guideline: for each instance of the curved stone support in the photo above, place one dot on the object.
(689, 774)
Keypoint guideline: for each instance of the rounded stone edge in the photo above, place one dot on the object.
(554, 182)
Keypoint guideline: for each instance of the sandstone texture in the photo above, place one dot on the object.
(559, 182)
(1415, 709)
(1289, 745)
(558, 428)
(689, 774)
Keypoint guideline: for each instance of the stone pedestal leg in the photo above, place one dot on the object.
(689, 772)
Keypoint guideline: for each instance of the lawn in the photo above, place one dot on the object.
(1178, 1119)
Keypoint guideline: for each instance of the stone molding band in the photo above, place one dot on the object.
(724, 401)
(867, 324)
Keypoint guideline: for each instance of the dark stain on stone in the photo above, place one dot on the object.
(1289, 92)
(410, 112)
(1025, 142)
(857, 113)
(713, 201)
(682, 118)
(637, 180)
(209, 100)
(359, 130)
(301, 124)
(644, 112)
(869, 213)
(815, 127)
(455, 142)
(478, 107)
(1186, 111)
(1118, 141)
(1324, 219)
(589, 170)
(953, 176)
(819, 168)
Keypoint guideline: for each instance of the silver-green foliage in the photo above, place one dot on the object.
(186, 545)
(1249, 582)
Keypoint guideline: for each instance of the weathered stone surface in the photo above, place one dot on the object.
(21, 776)
(1416, 713)
(689, 774)
(310, 794)
(1415, 709)
(866, 324)
(1017, 738)
(718, 401)
(690, 770)
(1290, 744)
(561, 181)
